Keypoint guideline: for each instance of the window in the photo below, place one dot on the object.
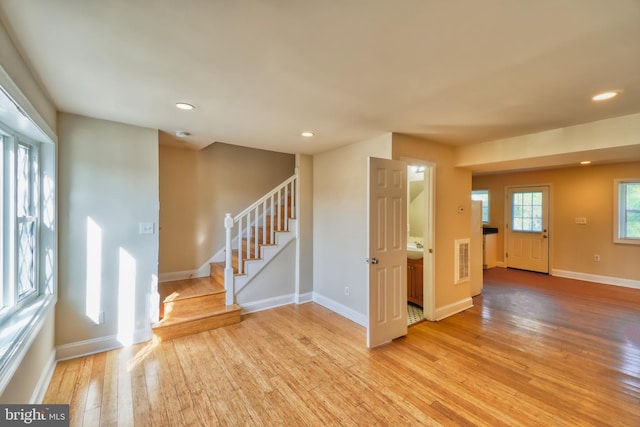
(627, 211)
(28, 227)
(20, 223)
(527, 211)
(483, 196)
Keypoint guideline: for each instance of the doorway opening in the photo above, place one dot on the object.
(420, 295)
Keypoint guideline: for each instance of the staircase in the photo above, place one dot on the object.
(255, 236)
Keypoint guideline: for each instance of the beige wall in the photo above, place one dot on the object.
(23, 86)
(452, 190)
(198, 188)
(340, 235)
(305, 237)
(108, 172)
(585, 191)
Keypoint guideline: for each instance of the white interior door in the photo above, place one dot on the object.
(528, 228)
(387, 251)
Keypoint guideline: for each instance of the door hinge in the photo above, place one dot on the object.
(506, 255)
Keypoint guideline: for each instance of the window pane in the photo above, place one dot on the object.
(26, 262)
(23, 184)
(631, 218)
(527, 211)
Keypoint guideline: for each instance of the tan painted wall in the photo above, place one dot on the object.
(452, 190)
(575, 192)
(198, 188)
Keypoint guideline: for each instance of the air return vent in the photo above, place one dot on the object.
(462, 261)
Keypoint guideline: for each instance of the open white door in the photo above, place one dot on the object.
(387, 251)
(527, 228)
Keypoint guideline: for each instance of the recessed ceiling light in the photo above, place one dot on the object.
(307, 134)
(182, 134)
(586, 162)
(606, 95)
(184, 106)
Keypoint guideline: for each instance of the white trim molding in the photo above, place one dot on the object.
(453, 308)
(607, 280)
(44, 380)
(178, 275)
(98, 345)
(269, 303)
(342, 310)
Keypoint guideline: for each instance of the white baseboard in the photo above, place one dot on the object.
(453, 308)
(342, 310)
(98, 345)
(265, 304)
(304, 298)
(178, 275)
(44, 380)
(268, 303)
(607, 280)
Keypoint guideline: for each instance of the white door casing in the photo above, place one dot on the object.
(527, 228)
(476, 248)
(387, 224)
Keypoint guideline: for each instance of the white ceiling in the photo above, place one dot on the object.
(261, 71)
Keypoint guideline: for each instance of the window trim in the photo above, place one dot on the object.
(617, 223)
(22, 319)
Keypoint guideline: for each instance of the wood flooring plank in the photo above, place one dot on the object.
(534, 350)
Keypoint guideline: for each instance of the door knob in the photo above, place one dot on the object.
(374, 260)
(544, 236)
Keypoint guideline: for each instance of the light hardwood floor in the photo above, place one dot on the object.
(533, 351)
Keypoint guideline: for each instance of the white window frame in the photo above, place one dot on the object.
(619, 211)
(20, 317)
(483, 193)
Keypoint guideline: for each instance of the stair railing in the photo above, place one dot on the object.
(255, 226)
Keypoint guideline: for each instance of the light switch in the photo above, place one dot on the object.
(146, 228)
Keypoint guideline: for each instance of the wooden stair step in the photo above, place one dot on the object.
(175, 327)
(189, 296)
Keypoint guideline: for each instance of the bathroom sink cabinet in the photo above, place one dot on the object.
(415, 281)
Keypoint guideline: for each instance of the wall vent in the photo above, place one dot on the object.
(462, 263)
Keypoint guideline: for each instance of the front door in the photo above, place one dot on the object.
(387, 251)
(528, 228)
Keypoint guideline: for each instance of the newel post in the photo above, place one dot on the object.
(228, 268)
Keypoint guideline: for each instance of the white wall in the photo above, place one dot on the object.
(108, 175)
(340, 235)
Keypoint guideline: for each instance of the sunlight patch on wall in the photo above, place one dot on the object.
(94, 271)
(126, 297)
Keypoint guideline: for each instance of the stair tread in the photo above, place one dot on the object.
(189, 288)
(197, 316)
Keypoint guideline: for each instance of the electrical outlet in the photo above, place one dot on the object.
(146, 228)
(347, 291)
(596, 257)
